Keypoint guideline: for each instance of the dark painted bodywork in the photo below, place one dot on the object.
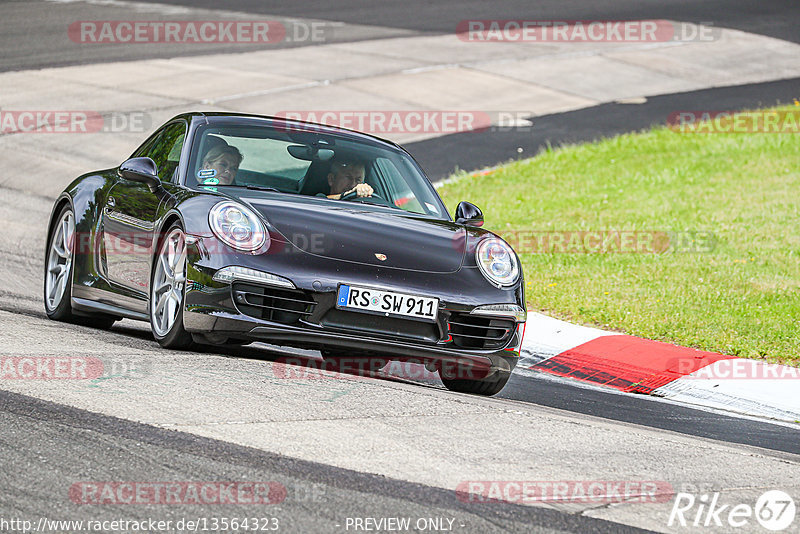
(315, 243)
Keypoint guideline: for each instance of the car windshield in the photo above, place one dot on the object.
(312, 163)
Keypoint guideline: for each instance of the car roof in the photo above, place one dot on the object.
(245, 119)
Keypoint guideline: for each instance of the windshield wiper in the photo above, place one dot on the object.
(262, 188)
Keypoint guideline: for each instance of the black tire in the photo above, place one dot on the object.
(176, 337)
(62, 310)
(343, 362)
(102, 322)
(486, 386)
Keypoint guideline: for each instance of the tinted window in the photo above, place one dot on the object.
(265, 161)
(165, 150)
(302, 162)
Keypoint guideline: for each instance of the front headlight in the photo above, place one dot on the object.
(497, 262)
(512, 311)
(237, 226)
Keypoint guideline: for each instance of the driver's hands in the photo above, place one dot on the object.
(362, 190)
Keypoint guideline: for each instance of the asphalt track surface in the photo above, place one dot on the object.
(531, 388)
(646, 411)
(37, 38)
(771, 17)
(47, 443)
(475, 150)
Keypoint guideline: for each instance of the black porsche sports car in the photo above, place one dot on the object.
(229, 228)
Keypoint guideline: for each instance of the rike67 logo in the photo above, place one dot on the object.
(774, 510)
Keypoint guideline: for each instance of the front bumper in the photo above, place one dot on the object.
(232, 310)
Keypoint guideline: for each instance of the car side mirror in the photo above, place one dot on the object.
(142, 170)
(469, 214)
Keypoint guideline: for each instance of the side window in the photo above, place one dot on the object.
(165, 150)
(399, 191)
(142, 151)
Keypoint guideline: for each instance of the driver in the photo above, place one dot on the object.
(347, 176)
(225, 160)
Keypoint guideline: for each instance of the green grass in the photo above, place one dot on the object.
(741, 298)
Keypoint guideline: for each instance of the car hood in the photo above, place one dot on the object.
(352, 231)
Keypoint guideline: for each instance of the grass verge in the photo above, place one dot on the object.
(690, 238)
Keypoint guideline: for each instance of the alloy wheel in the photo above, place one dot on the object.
(59, 260)
(169, 280)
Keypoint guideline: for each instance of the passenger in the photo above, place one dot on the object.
(347, 176)
(225, 160)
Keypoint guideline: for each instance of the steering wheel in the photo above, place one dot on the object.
(353, 196)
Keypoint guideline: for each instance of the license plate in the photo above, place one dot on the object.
(387, 303)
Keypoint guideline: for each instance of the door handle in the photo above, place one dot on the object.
(111, 202)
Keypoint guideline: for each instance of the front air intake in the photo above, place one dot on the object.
(286, 306)
(477, 332)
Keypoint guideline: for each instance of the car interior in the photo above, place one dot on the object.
(303, 168)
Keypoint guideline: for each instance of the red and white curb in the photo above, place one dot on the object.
(637, 365)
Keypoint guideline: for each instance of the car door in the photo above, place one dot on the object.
(129, 215)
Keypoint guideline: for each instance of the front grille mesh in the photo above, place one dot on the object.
(286, 306)
(476, 332)
(395, 327)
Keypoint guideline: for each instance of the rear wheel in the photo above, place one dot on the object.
(167, 291)
(58, 275)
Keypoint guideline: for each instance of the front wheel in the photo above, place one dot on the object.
(342, 362)
(168, 290)
(483, 386)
